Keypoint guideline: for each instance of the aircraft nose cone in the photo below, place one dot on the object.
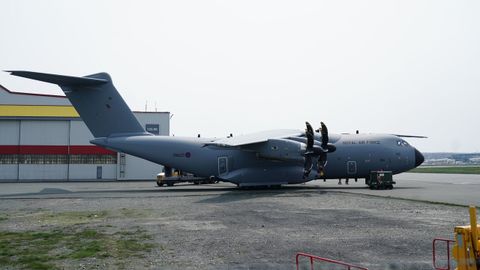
(419, 158)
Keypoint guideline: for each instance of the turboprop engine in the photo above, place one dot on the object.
(282, 149)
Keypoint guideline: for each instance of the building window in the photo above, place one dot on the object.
(153, 128)
(58, 159)
(8, 159)
(93, 159)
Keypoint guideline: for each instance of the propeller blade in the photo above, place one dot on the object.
(326, 148)
(324, 132)
(310, 137)
(322, 162)
(309, 151)
(307, 166)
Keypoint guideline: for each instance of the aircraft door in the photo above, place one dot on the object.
(351, 167)
(222, 165)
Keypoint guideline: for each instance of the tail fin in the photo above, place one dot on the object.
(96, 100)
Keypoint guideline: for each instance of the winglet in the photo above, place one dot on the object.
(58, 79)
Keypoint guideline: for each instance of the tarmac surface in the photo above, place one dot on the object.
(222, 227)
(459, 189)
(456, 189)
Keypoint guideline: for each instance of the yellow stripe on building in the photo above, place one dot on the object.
(37, 111)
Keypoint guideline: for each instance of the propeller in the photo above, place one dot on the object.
(317, 153)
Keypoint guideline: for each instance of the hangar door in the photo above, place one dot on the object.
(42, 158)
(9, 136)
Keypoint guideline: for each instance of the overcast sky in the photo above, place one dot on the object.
(407, 67)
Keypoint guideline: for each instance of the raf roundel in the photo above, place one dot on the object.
(188, 154)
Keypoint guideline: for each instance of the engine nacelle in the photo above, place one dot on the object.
(282, 149)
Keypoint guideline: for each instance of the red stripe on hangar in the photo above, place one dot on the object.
(9, 149)
(42, 149)
(54, 150)
(89, 150)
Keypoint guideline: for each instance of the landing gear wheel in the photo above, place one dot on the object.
(159, 184)
(170, 184)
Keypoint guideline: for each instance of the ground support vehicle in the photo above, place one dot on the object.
(380, 180)
(466, 247)
(163, 180)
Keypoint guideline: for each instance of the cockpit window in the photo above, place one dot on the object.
(402, 143)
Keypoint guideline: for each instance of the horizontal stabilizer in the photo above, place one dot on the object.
(58, 79)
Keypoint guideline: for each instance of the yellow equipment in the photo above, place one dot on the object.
(466, 248)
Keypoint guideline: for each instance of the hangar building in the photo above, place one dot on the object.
(42, 138)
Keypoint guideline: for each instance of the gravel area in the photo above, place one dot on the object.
(208, 228)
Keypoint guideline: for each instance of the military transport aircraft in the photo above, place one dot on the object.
(273, 157)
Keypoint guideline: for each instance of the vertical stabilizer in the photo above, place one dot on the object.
(96, 100)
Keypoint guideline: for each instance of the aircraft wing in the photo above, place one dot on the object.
(257, 137)
(410, 136)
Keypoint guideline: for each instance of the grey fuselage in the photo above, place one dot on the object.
(356, 156)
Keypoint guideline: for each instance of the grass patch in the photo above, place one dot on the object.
(89, 249)
(452, 170)
(28, 249)
(48, 249)
(136, 241)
